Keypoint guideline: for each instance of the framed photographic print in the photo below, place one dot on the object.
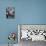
(32, 32)
(10, 12)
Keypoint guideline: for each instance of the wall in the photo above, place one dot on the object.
(6, 25)
(27, 12)
(31, 11)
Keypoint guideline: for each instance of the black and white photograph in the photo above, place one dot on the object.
(31, 34)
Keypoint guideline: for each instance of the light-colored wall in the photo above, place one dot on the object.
(7, 25)
(27, 12)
